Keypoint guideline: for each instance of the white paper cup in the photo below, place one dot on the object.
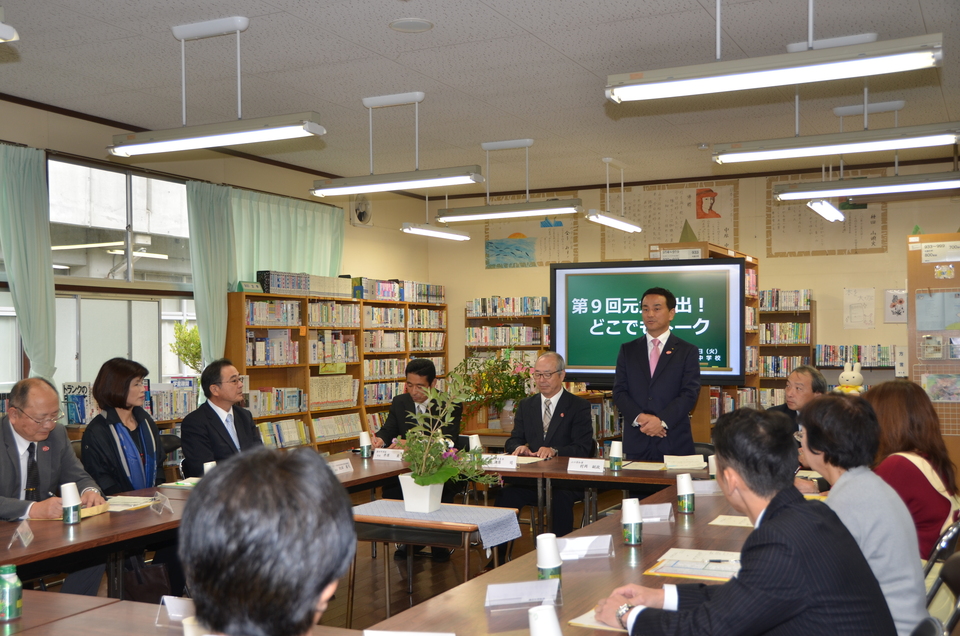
(548, 554)
(630, 511)
(544, 621)
(712, 465)
(616, 449)
(364, 439)
(69, 494)
(475, 444)
(684, 484)
(208, 466)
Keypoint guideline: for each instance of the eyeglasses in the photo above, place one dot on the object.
(53, 420)
(236, 380)
(541, 375)
(798, 435)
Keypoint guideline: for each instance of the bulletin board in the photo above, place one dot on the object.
(933, 287)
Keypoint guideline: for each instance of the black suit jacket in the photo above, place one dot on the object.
(56, 461)
(801, 573)
(786, 410)
(400, 420)
(204, 438)
(570, 430)
(670, 395)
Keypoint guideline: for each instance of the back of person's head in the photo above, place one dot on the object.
(20, 393)
(909, 423)
(660, 291)
(112, 385)
(759, 445)
(262, 537)
(842, 427)
(422, 367)
(211, 375)
(818, 383)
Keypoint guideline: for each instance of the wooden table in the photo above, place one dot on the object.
(461, 610)
(535, 470)
(367, 473)
(40, 608)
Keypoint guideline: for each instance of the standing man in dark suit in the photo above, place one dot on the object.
(39, 456)
(421, 375)
(553, 423)
(801, 572)
(220, 427)
(656, 406)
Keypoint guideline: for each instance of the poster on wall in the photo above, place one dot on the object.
(534, 242)
(858, 307)
(710, 208)
(894, 305)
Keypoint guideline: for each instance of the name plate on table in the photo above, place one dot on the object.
(582, 465)
(389, 454)
(341, 466)
(500, 461)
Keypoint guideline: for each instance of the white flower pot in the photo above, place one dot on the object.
(417, 498)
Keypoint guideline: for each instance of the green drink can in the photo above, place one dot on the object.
(366, 452)
(71, 514)
(11, 594)
(685, 504)
(548, 573)
(633, 533)
(616, 463)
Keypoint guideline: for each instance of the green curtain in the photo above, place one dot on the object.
(286, 235)
(212, 262)
(25, 239)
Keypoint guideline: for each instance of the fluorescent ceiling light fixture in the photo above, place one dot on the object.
(830, 43)
(398, 181)
(140, 254)
(210, 28)
(55, 266)
(7, 32)
(858, 187)
(879, 140)
(861, 60)
(425, 229)
(511, 211)
(86, 246)
(231, 133)
(613, 221)
(825, 209)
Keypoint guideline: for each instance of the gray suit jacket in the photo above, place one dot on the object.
(56, 460)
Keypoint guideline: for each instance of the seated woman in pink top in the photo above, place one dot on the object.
(913, 458)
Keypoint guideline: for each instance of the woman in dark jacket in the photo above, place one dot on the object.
(121, 446)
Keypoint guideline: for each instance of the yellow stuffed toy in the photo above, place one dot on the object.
(851, 380)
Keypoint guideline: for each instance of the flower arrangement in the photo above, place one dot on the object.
(431, 456)
(495, 380)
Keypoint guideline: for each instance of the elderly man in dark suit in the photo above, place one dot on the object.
(801, 572)
(657, 384)
(552, 423)
(220, 427)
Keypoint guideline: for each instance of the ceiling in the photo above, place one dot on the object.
(491, 70)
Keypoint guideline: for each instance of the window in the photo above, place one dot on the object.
(9, 343)
(93, 219)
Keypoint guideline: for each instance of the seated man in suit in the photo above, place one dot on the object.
(657, 384)
(801, 572)
(421, 375)
(264, 540)
(220, 427)
(40, 459)
(552, 423)
(804, 384)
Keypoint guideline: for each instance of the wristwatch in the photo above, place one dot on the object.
(622, 611)
(556, 453)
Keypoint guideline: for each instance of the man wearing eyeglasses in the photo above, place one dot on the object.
(220, 427)
(553, 423)
(39, 456)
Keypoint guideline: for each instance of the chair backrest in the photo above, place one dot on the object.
(169, 442)
(950, 575)
(945, 546)
(77, 448)
(703, 448)
(929, 626)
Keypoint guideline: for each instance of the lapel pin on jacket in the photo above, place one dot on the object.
(45, 448)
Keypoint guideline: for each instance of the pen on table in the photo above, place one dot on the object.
(724, 561)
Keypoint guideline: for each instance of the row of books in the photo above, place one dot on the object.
(333, 427)
(376, 420)
(427, 319)
(273, 313)
(305, 284)
(426, 340)
(606, 419)
(771, 397)
(780, 366)
(283, 433)
(724, 402)
(751, 359)
(269, 400)
(414, 292)
(79, 404)
(381, 392)
(329, 313)
(785, 300)
(276, 349)
(866, 355)
(384, 341)
(383, 368)
(397, 290)
(380, 317)
(784, 333)
(750, 318)
(503, 336)
(333, 392)
(750, 282)
(328, 346)
(505, 306)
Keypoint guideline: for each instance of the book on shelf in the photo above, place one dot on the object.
(866, 355)
(383, 317)
(290, 433)
(414, 292)
(422, 318)
(273, 313)
(771, 397)
(503, 336)
(330, 313)
(376, 393)
(266, 401)
(785, 300)
(333, 392)
(750, 282)
(277, 348)
(785, 333)
(175, 399)
(780, 366)
(283, 282)
(506, 306)
(376, 420)
(726, 401)
(333, 427)
(331, 346)
(384, 341)
(267, 434)
(79, 404)
(426, 340)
